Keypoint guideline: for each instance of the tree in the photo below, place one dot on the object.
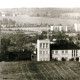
(5, 43)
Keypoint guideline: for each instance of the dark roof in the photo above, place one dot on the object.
(63, 46)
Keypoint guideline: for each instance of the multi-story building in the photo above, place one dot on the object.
(59, 28)
(65, 52)
(47, 51)
(75, 27)
(43, 50)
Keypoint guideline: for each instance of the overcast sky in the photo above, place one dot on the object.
(39, 3)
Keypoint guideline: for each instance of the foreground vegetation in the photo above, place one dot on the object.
(40, 70)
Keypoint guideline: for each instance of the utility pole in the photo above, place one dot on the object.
(0, 39)
(47, 33)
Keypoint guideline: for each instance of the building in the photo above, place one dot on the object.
(65, 52)
(2, 13)
(43, 50)
(48, 52)
(75, 27)
(59, 28)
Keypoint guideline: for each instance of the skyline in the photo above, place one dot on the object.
(40, 3)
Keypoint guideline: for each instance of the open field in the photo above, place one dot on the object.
(71, 15)
(39, 70)
(43, 20)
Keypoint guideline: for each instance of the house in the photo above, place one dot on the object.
(48, 52)
(64, 52)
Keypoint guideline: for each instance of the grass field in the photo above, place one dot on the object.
(39, 70)
(43, 20)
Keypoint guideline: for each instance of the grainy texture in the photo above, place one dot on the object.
(39, 70)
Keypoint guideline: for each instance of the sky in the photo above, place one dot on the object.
(39, 3)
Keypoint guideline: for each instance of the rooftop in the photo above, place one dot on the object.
(67, 46)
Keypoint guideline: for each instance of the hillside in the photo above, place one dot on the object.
(42, 12)
(43, 20)
(64, 16)
(71, 15)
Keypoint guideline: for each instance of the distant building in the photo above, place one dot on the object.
(75, 27)
(2, 13)
(43, 50)
(59, 28)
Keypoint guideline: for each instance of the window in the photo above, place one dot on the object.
(66, 58)
(72, 54)
(66, 51)
(76, 54)
(46, 45)
(46, 52)
(44, 59)
(43, 52)
(56, 52)
(40, 45)
(62, 51)
(41, 59)
(76, 51)
(40, 52)
(47, 59)
(43, 45)
(72, 51)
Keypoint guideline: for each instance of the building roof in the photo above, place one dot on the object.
(69, 46)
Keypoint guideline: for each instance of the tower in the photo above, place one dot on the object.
(43, 50)
(75, 27)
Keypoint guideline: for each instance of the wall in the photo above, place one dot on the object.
(67, 55)
(43, 50)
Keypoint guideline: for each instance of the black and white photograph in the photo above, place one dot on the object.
(39, 40)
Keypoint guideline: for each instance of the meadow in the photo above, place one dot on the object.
(32, 70)
(42, 20)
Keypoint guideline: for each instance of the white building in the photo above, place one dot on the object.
(66, 54)
(59, 28)
(43, 50)
(46, 52)
(75, 27)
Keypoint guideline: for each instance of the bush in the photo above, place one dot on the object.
(63, 59)
(77, 59)
(72, 59)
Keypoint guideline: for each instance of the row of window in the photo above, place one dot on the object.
(56, 52)
(74, 51)
(63, 28)
(44, 52)
(74, 54)
(44, 45)
(44, 59)
(65, 51)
